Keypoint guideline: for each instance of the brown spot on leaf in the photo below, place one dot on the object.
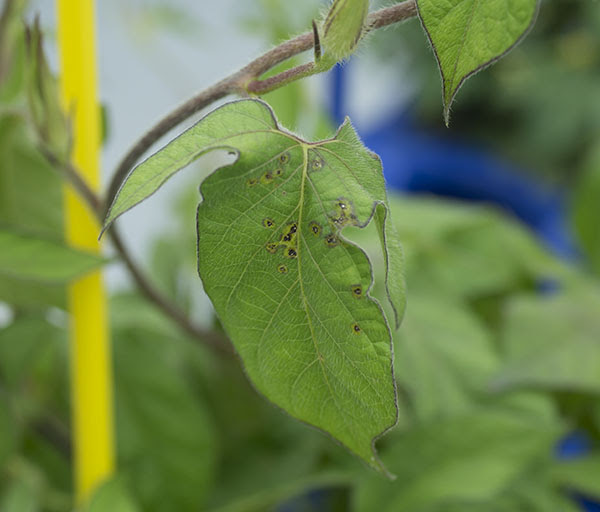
(331, 240)
(315, 228)
(272, 247)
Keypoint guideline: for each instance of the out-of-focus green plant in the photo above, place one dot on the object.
(491, 372)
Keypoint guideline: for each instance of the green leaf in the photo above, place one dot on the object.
(449, 247)
(25, 256)
(586, 211)
(579, 474)
(166, 439)
(531, 492)
(471, 457)
(20, 496)
(25, 177)
(31, 294)
(290, 290)
(44, 103)
(552, 342)
(112, 496)
(23, 343)
(268, 497)
(468, 35)
(444, 357)
(344, 27)
(8, 431)
(12, 53)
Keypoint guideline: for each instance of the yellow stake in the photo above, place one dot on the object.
(91, 377)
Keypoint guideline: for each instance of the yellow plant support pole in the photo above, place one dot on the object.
(91, 377)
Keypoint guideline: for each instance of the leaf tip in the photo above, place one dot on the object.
(447, 116)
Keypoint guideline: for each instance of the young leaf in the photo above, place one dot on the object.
(27, 257)
(468, 35)
(344, 27)
(290, 290)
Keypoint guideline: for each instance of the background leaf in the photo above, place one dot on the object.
(579, 475)
(586, 211)
(31, 201)
(28, 257)
(553, 342)
(468, 35)
(443, 357)
(469, 457)
(164, 432)
(112, 496)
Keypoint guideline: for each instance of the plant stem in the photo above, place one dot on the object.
(246, 81)
(210, 338)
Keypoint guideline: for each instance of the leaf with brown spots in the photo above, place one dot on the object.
(283, 278)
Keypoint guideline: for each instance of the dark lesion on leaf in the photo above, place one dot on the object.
(287, 239)
(357, 291)
(282, 269)
(331, 240)
(316, 165)
(289, 234)
(343, 213)
(315, 228)
(268, 223)
(272, 247)
(356, 328)
(251, 182)
(267, 178)
(315, 162)
(284, 158)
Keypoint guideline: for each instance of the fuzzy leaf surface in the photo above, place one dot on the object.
(344, 26)
(468, 35)
(292, 293)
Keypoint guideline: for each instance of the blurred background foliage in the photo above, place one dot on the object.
(497, 362)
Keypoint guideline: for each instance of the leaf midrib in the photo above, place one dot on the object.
(306, 178)
(302, 293)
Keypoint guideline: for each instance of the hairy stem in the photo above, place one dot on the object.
(246, 81)
(209, 338)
